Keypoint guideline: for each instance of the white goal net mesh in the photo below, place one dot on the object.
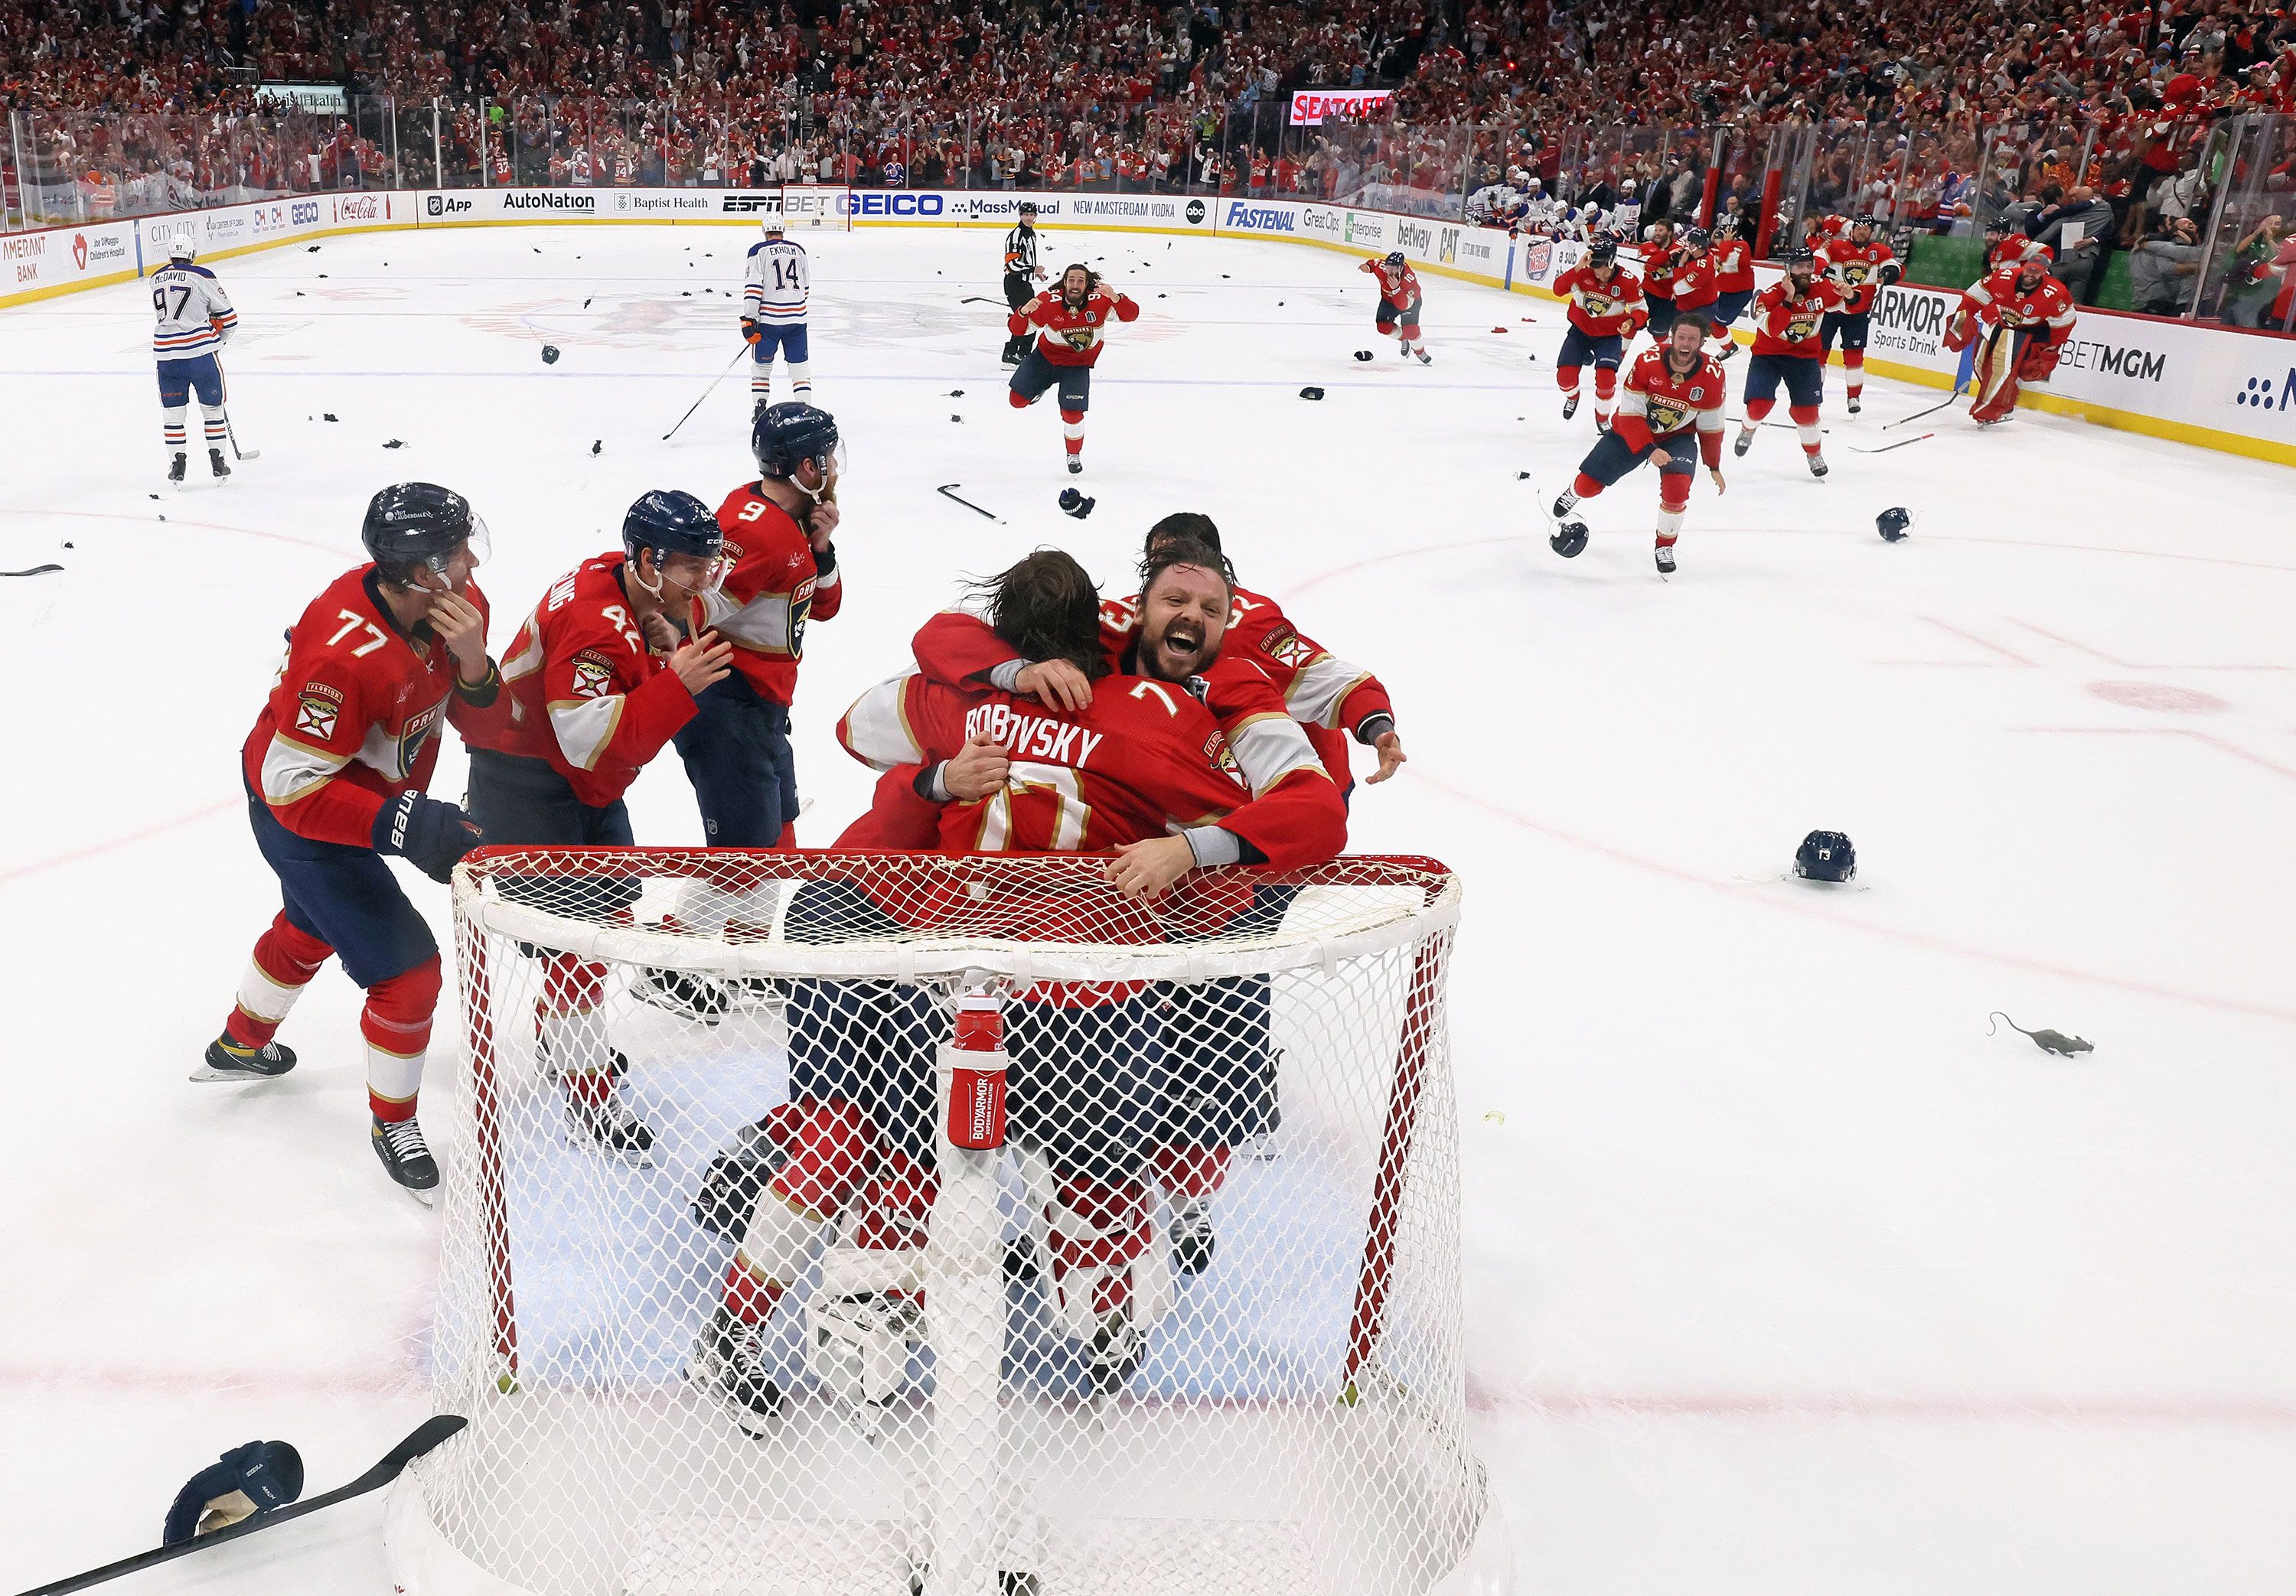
(728, 1310)
(817, 205)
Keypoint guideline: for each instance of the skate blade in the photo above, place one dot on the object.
(204, 1072)
(631, 1156)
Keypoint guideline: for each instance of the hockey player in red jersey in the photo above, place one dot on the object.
(1732, 261)
(2026, 316)
(782, 573)
(1071, 324)
(2006, 243)
(600, 678)
(1787, 316)
(335, 770)
(1695, 290)
(1660, 265)
(1399, 302)
(1144, 772)
(1859, 266)
(1674, 394)
(1605, 312)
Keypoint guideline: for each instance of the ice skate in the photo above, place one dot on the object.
(1817, 466)
(1194, 1240)
(175, 472)
(1745, 441)
(227, 1060)
(405, 1156)
(728, 1364)
(1569, 406)
(216, 464)
(1666, 559)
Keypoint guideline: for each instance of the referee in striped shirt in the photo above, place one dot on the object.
(1021, 275)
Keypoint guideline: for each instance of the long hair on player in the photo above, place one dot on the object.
(1045, 607)
(1093, 282)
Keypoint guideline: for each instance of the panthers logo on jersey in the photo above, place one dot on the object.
(1857, 272)
(1801, 328)
(1668, 415)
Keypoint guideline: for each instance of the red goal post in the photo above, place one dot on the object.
(1296, 1416)
(805, 205)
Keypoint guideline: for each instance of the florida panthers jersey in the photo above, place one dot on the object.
(1608, 307)
(1732, 260)
(194, 314)
(1072, 337)
(773, 585)
(588, 694)
(1859, 271)
(1999, 301)
(1660, 403)
(1144, 759)
(780, 282)
(1787, 324)
(1399, 285)
(353, 718)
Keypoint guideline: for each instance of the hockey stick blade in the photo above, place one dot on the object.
(427, 1436)
(944, 491)
(1908, 420)
(1886, 447)
(35, 570)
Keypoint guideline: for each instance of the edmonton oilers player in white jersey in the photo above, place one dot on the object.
(773, 314)
(195, 321)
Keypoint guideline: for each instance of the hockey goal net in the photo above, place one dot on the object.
(817, 205)
(989, 1234)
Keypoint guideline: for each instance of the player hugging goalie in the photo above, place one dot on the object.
(1137, 767)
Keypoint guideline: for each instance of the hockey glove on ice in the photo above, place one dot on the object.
(430, 835)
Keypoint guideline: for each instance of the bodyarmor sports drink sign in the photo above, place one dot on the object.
(1311, 107)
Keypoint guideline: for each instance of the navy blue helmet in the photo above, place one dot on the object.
(413, 526)
(1695, 240)
(1893, 524)
(785, 435)
(1602, 252)
(671, 523)
(1825, 857)
(1395, 257)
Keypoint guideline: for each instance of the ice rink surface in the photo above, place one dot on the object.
(1783, 1275)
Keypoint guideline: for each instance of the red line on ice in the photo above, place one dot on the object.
(132, 837)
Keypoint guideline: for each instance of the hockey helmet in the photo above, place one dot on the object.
(1997, 226)
(773, 227)
(1798, 256)
(1696, 239)
(785, 435)
(1825, 857)
(1394, 257)
(1568, 538)
(671, 523)
(1602, 254)
(1892, 524)
(182, 248)
(413, 526)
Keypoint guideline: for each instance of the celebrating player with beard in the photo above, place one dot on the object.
(2029, 314)
(1673, 392)
(1145, 774)
(1071, 324)
(1605, 313)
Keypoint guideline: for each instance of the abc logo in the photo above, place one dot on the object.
(1195, 213)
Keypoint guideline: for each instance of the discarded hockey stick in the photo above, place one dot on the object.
(428, 1435)
(706, 392)
(1886, 447)
(979, 300)
(37, 571)
(1917, 414)
(968, 503)
(1961, 376)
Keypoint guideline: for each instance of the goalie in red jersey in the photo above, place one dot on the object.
(2027, 316)
(1400, 300)
(1143, 772)
(1071, 324)
(335, 770)
(1674, 393)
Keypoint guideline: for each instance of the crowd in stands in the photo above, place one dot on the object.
(1925, 113)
